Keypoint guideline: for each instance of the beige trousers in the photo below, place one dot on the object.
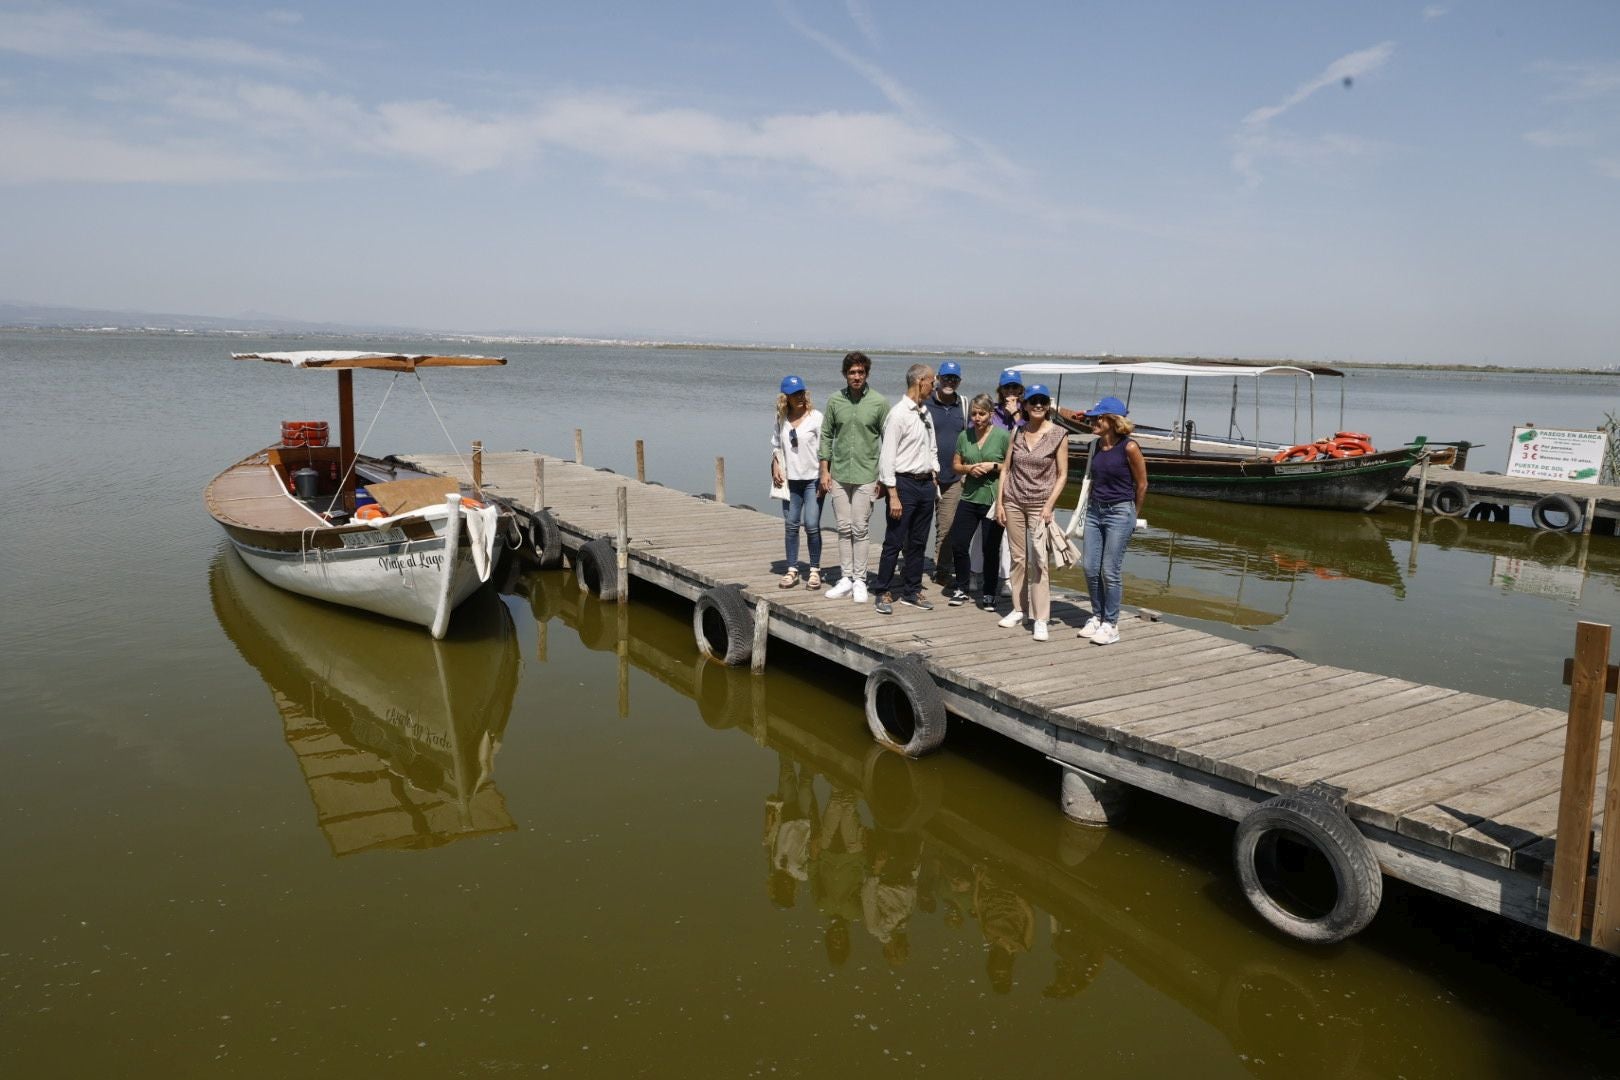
(1031, 584)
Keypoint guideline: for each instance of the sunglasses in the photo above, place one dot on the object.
(952, 379)
(1038, 403)
(793, 437)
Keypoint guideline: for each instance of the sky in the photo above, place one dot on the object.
(1423, 182)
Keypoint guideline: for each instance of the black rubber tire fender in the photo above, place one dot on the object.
(904, 710)
(1557, 504)
(1450, 499)
(543, 540)
(596, 569)
(903, 795)
(1359, 884)
(723, 626)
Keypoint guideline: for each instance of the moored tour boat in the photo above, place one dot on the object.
(1340, 473)
(413, 551)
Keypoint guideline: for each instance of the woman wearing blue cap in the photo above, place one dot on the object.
(796, 465)
(1118, 489)
(1009, 411)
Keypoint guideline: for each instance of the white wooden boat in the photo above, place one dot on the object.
(289, 511)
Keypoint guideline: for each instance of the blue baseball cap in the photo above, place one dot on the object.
(1108, 406)
(792, 384)
(1038, 390)
(1010, 375)
(950, 367)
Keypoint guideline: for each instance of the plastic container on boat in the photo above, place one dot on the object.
(362, 497)
(306, 483)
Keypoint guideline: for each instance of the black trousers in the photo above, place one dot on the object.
(969, 515)
(909, 536)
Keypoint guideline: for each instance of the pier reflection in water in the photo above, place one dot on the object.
(395, 733)
(955, 873)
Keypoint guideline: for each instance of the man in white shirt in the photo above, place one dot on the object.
(908, 464)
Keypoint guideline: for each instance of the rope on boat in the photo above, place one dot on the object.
(454, 449)
(346, 473)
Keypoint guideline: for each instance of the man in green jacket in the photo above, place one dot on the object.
(851, 438)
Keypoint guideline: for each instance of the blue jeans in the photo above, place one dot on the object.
(803, 504)
(1108, 527)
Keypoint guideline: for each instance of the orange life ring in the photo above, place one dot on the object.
(1353, 447)
(1304, 451)
(471, 504)
(369, 512)
(1356, 435)
(1329, 449)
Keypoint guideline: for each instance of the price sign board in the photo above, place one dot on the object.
(1553, 454)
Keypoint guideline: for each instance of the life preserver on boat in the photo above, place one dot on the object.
(1329, 449)
(369, 512)
(1304, 452)
(1356, 435)
(1352, 445)
(471, 504)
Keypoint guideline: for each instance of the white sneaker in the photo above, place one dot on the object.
(844, 587)
(1092, 624)
(1040, 629)
(860, 592)
(1106, 634)
(1011, 619)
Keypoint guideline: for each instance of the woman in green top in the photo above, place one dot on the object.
(979, 453)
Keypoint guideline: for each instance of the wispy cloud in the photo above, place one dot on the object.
(50, 148)
(1435, 11)
(861, 16)
(1583, 101)
(69, 33)
(1257, 140)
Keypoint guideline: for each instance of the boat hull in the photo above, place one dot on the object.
(1353, 483)
(400, 580)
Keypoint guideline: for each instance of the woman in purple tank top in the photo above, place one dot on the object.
(1118, 489)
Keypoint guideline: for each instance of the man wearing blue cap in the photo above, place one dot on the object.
(950, 420)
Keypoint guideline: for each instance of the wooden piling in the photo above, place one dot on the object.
(719, 479)
(762, 634)
(539, 503)
(641, 462)
(478, 464)
(1606, 911)
(579, 446)
(1591, 516)
(1579, 784)
(1423, 484)
(621, 554)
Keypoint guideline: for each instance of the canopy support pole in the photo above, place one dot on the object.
(346, 434)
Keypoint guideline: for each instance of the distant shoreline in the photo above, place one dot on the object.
(711, 346)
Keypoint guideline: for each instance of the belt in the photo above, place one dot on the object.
(915, 475)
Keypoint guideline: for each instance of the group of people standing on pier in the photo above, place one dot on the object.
(992, 466)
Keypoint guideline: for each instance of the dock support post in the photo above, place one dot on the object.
(1606, 912)
(579, 446)
(621, 550)
(1591, 515)
(539, 503)
(720, 480)
(622, 648)
(478, 464)
(1573, 853)
(1092, 800)
(1423, 483)
(641, 462)
(762, 634)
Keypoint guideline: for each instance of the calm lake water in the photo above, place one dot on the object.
(249, 835)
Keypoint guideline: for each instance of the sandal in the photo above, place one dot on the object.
(814, 581)
(789, 579)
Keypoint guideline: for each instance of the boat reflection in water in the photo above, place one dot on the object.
(1202, 546)
(396, 733)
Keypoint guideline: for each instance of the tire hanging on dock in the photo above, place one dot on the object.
(1451, 499)
(1557, 504)
(543, 540)
(1273, 850)
(723, 626)
(904, 710)
(597, 570)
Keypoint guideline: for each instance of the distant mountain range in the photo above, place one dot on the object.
(76, 318)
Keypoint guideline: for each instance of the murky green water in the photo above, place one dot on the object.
(244, 834)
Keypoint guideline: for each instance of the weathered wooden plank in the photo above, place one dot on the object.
(1579, 780)
(1325, 681)
(1302, 716)
(1087, 684)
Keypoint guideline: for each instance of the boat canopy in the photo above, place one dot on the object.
(1212, 369)
(342, 359)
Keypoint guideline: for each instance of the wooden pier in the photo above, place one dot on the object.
(1455, 793)
(1454, 493)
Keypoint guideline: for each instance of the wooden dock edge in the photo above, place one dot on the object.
(1501, 890)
